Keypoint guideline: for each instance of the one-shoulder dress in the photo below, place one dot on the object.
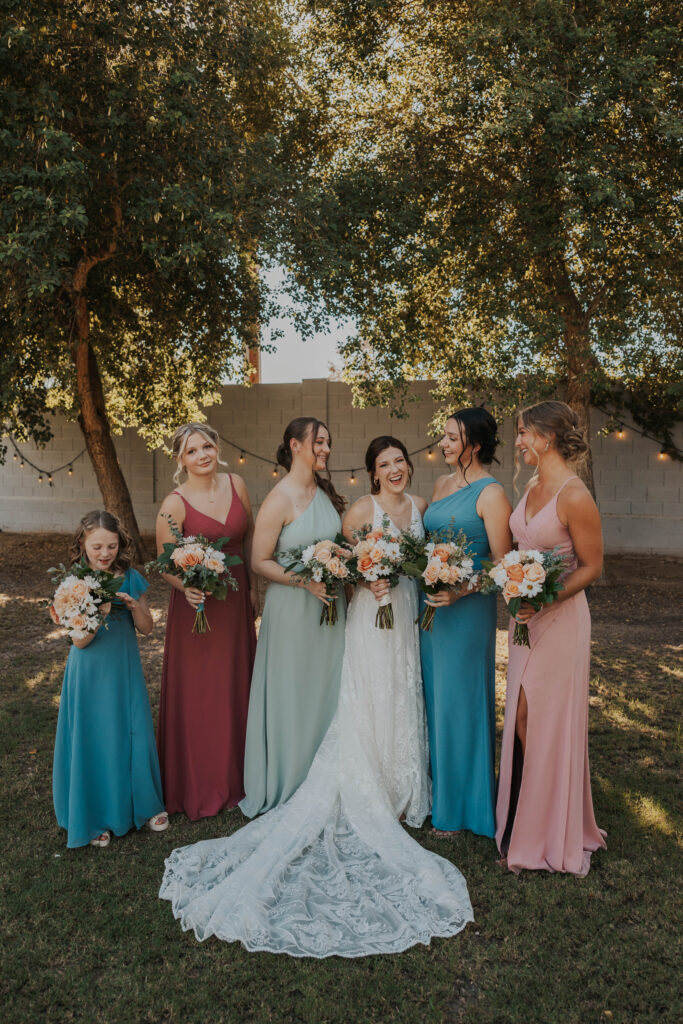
(297, 671)
(205, 684)
(545, 813)
(458, 666)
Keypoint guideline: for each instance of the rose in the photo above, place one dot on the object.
(374, 535)
(515, 572)
(364, 547)
(365, 564)
(442, 552)
(377, 553)
(188, 559)
(214, 564)
(445, 574)
(77, 621)
(79, 591)
(342, 571)
(431, 573)
(535, 573)
(454, 574)
(511, 589)
(322, 555)
(333, 566)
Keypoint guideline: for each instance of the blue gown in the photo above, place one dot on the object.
(458, 667)
(106, 770)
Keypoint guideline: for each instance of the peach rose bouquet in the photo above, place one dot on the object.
(532, 576)
(325, 561)
(439, 562)
(199, 563)
(80, 594)
(378, 556)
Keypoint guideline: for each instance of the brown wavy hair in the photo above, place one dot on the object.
(299, 429)
(100, 519)
(375, 449)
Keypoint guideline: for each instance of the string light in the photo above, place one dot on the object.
(430, 454)
(352, 478)
(49, 479)
(242, 458)
(15, 456)
(40, 478)
(49, 473)
(21, 464)
(663, 455)
(275, 472)
(71, 471)
(621, 433)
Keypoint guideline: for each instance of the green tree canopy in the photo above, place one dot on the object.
(148, 155)
(500, 196)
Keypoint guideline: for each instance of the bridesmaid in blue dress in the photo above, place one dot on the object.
(297, 669)
(458, 656)
(106, 772)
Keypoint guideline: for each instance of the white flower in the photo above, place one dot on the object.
(467, 565)
(498, 575)
(188, 540)
(318, 574)
(529, 589)
(307, 554)
(512, 558)
(533, 556)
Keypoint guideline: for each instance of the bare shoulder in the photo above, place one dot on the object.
(441, 486)
(277, 504)
(173, 505)
(420, 503)
(360, 512)
(493, 495)
(576, 499)
(238, 482)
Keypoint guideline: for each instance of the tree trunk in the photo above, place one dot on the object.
(579, 364)
(97, 432)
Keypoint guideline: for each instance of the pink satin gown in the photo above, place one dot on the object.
(553, 825)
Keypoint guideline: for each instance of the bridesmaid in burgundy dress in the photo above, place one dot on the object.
(206, 677)
(545, 813)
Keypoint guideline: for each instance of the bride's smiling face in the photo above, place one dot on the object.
(391, 471)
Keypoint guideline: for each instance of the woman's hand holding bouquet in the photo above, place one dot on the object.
(524, 576)
(325, 561)
(440, 562)
(83, 597)
(378, 556)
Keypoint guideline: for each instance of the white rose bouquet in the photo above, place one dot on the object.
(80, 594)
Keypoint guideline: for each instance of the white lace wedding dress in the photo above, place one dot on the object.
(331, 871)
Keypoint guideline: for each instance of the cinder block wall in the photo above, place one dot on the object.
(640, 495)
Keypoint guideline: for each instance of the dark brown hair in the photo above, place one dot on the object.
(298, 430)
(100, 519)
(375, 448)
(479, 429)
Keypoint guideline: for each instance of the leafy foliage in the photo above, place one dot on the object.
(503, 187)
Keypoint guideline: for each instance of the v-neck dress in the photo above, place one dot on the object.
(459, 669)
(297, 672)
(545, 813)
(205, 684)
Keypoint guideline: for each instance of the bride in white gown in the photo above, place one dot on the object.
(332, 871)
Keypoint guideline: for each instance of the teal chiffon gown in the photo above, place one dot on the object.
(458, 668)
(106, 771)
(297, 672)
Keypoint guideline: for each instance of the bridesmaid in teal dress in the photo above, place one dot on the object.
(297, 669)
(106, 772)
(458, 656)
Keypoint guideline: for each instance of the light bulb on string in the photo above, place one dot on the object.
(40, 478)
(242, 458)
(621, 433)
(21, 464)
(275, 471)
(430, 453)
(71, 471)
(663, 455)
(49, 479)
(15, 456)
(352, 478)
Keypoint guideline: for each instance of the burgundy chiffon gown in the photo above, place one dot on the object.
(205, 684)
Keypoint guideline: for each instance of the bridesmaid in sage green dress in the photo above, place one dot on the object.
(297, 670)
(458, 656)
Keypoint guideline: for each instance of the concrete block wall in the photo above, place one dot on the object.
(640, 495)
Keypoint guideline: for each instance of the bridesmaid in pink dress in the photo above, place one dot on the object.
(206, 677)
(544, 813)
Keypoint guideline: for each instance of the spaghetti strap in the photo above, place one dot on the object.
(562, 486)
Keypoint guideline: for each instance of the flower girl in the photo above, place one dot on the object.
(106, 772)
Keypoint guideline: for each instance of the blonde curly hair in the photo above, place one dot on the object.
(182, 436)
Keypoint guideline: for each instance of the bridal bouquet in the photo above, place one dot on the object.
(440, 562)
(378, 555)
(79, 597)
(199, 563)
(532, 576)
(325, 561)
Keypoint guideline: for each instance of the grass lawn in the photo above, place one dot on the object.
(84, 937)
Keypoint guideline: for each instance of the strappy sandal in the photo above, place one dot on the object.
(159, 822)
(102, 840)
(442, 834)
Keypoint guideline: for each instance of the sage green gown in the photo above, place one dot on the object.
(297, 671)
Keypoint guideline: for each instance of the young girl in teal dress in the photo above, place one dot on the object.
(106, 772)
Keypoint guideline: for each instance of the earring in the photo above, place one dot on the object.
(375, 482)
(547, 445)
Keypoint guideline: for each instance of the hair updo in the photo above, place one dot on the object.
(375, 449)
(100, 519)
(298, 430)
(480, 430)
(557, 418)
(183, 435)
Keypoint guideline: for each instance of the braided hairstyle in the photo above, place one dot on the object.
(299, 429)
(100, 519)
(557, 418)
